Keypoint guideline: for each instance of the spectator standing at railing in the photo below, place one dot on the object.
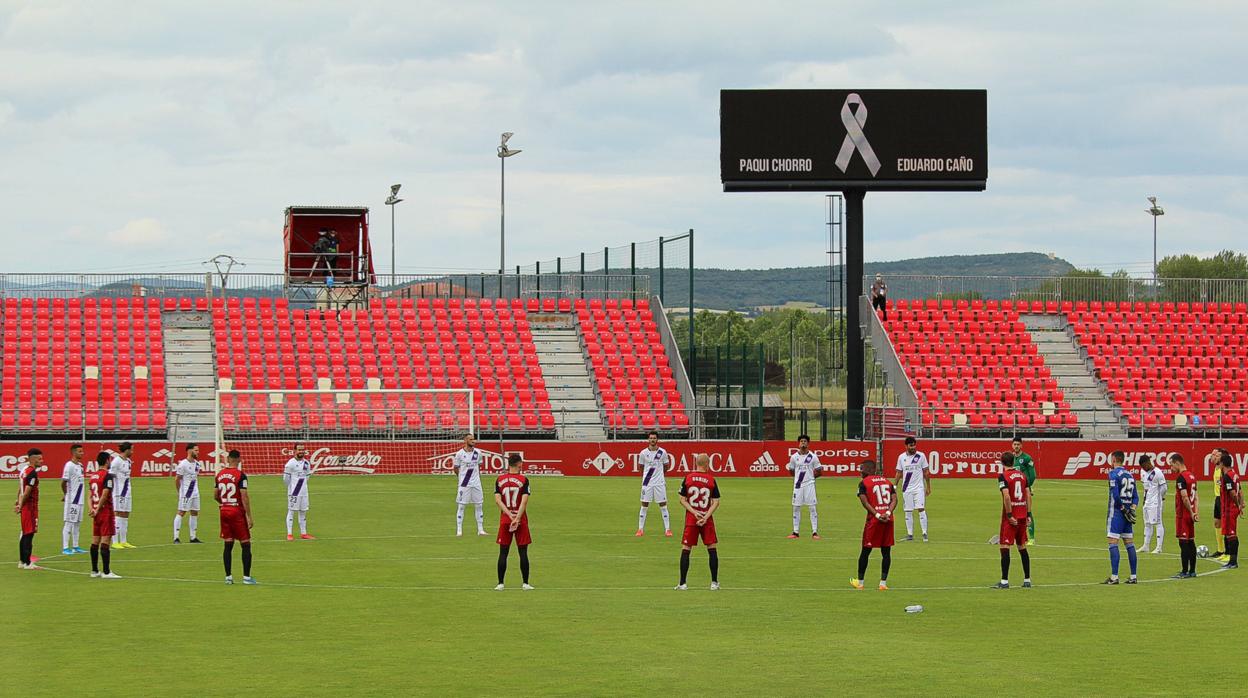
(879, 295)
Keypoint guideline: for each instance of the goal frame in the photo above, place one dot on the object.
(219, 428)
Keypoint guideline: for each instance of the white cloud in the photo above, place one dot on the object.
(141, 232)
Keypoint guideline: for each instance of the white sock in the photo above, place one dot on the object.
(667, 519)
(814, 519)
(923, 521)
(65, 534)
(1161, 535)
(459, 518)
(641, 518)
(290, 522)
(1148, 528)
(909, 523)
(303, 523)
(797, 518)
(177, 525)
(480, 518)
(77, 527)
(123, 527)
(194, 526)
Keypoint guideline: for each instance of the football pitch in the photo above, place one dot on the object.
(387, 601)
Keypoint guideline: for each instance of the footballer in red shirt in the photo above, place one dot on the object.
(103, 523)
(231, 495)
(511, 494)
(1232, 508)
(1015, 505)
(699, 495)
(1185, 515)
(27, 507)
(879, 497)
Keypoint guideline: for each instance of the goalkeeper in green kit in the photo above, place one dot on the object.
(1027, 466)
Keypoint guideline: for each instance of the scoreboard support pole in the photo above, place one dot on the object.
(855, 354)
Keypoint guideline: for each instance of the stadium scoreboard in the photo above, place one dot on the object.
(836, 140)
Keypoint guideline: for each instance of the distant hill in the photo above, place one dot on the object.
(745, 289)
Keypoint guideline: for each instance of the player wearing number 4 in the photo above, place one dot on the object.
(1123, 499)
(1015, 504)
(806, 468)
(699, 495)
(653, 461)
(879, 498)
(231, 495)
(511, 494)
(186, 482)
(295, 477)
(915, 485)
(467, 467)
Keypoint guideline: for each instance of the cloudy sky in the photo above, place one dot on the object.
(146, 135)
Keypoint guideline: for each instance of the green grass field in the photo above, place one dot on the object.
(389, 602)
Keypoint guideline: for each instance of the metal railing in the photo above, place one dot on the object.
(1065, 288)
(886, 356)
(890, 421)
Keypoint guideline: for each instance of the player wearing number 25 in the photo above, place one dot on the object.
(231, 494)
(699, 495)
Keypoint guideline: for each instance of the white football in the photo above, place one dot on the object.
(1202, 551)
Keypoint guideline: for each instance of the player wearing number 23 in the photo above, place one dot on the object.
(699, 495)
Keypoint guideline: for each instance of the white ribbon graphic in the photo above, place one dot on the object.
(855, 139)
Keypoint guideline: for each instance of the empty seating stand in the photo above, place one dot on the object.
(974, 367)
(1170, 367)
(82, 364)
(478, 344)
(630, 366)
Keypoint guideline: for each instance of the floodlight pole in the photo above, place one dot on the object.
(1156, 212)
(855, 355)
(392, 201)
(502, 215)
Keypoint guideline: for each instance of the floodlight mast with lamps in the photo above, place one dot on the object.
(392, 201)
(503, 153)
(1155, 211)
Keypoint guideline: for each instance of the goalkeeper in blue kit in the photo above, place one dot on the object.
(1123, 499)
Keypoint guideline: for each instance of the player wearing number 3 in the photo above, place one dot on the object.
(699, 495)
(511, 494)
(231, 494)
(879, 498)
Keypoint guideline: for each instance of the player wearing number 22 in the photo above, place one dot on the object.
(699, 495)
(1015, 504)
(511, 494)
(879, 498)
(231, 495)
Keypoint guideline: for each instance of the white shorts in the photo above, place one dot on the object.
(469, 495)
(1152, 515)
(73, 512)
(297, 503)
(190, 503)
(655, 493)
(121, 504)
(914, 499)
(805, 496)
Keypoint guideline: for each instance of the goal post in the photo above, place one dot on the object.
(344, 431)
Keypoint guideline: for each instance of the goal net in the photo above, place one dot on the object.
(344, 431)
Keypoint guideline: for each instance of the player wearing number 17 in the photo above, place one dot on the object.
(879, 498)
(231, 494)
(1015, 503)
(511, 494)
(699, 495)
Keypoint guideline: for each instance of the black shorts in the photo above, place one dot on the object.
(1217, 507)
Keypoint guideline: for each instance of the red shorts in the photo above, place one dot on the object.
(234, 525)
(1184, 527)
(693, 532)
(877, 534)
(521, 535)
(30, 520)
(1014, 534)
(1230, 517)
(104, 524)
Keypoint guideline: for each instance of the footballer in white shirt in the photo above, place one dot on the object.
(1153, 482)
(467, 467)
(186, 482)
(295, 476)
(122, 468)
(915, 486)
(72, 487)
(805, 466)
(653, 461)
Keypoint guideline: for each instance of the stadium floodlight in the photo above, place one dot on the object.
(503, 153)
(1155, 211)
(392, 201)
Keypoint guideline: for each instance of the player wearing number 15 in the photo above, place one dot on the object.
(879, 498)
(231, 495)
(1015, 503)
(699, 495)
(511, 494)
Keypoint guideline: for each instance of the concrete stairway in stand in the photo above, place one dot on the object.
(1081, 388)
(577, 412)
(190, 377)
